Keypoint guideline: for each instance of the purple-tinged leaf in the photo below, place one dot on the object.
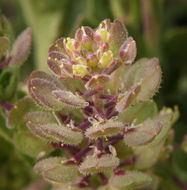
(127, 51)
(146, 71)
(54, 62)
(152, 150)
(143, 133)
(21, 48)
(95, 164)
(129, 180)
(16, 116)
(167, 116)
(128, 98)
(4, 45)
(35, 129)
(30, 144)
(42, 91)
(70, 99)
(50, 78)
(62, 134)
(107, 128)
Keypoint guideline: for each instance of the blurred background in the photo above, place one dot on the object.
(159, 28)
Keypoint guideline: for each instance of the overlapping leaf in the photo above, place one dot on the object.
(107, 128)
(53, 169)
(94, 164)
(129, 181)
(148, 73)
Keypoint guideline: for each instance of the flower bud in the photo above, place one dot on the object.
(102, 34)
(106, 59)
(80, 70)
(92, 60)
(71, 45)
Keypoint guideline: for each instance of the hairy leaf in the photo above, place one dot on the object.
(53, 169)
(21, 48)
(17, 114)
(40, 118)
(107, 128)
(62, 134)
(94, 164)
(70, 99)
(129, 181)
(118, 36)
(30, 144)
(143, 132)
(127, 51)
(139, 112)
(148, 73)
(128, 98)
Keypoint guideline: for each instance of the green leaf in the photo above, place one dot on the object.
(4, 45)
(129, 181)
(8, 83)
(94, 164)
(54, 170)
(140, 111)
(17, 114)
(107, 128)
(57, 133)
(118, 35)
(147, 155)
(5, 28)
(148, 73)
(40, 117)
(69, 99)
(128, 98)
(179, 158)
(30, 145)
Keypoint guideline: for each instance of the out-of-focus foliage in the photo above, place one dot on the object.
(159, 29)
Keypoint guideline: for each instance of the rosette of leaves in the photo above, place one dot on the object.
(97, 108)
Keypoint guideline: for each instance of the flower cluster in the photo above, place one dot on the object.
(97, 108)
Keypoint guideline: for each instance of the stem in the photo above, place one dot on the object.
(112, 114)
(6, 105)
(128, 162)
(79, 155)
(85, 181)
(179, 182)
(5, 63)
(71, 149)
(103, 178)
(100, 144)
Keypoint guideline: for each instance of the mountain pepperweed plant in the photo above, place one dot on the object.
(96, 110)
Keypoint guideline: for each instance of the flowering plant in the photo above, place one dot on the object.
(96, 108)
